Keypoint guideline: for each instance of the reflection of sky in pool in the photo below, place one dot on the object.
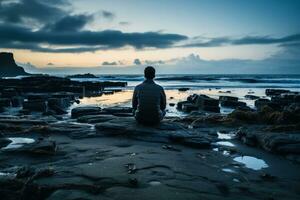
(228, 170)
(224, 136)
(251, 162)
(18, 142)
(225, 143)
(123, 98)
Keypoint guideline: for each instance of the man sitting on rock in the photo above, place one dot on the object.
(149, 100)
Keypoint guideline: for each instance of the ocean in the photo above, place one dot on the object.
(211, 85)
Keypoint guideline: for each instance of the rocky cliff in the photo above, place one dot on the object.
(8, 66)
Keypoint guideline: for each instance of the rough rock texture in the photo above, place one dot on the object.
(8, 66)
(282, 143)
(108, 155)
(85, 110)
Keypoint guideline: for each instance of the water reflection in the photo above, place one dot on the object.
(225, 143)
(251, 162)
(228, 170)
(18, 142)
(124, 97)
(224, 136)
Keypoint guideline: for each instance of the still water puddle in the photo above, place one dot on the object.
(154, 183)
(251, 162)
(236, 180)
(228, 170)
(225, 143)
(225, 136)
(6, 174)
(18, 142)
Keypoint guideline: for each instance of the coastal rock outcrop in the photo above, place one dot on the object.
(88, 75)
(8, 66)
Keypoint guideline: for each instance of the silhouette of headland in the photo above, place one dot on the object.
(8, 66)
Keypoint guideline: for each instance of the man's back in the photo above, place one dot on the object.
(149, 101)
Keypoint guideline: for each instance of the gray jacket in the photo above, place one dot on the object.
(149, 100)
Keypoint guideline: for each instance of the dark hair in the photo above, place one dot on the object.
(149, 72)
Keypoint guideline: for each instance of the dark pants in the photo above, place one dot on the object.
(146, 120)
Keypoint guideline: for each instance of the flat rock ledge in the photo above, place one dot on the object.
(165, 132)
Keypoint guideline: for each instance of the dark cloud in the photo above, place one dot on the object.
(50, 64)
(109, 63)
(154, 62)
(137, 61)
(70, 23)
(248, 40)
(37, 10)
(108, 14)
(23, 38)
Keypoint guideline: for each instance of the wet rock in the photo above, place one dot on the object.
(289, 148)
(180, 104)
(71, 129)
(44, 84)
(188, 107)
(183, 89)
(5, 102)
(25, 171)
(35, 105)
(275, 92)
(199, 120)
(22, 122)
(2, 109)
(133, 182)
(192, 98)
(286, 99)
(164, 133)
(206, 103)
(86, 110)
(245, 116)
(294, 158)
(247, 138)
(40, 147)
(108, 92)
(282, 143)
(271, 116)
(8, 66)
(228, 98)
(88, 75)
(93, 119)
(199, 142)
(228, 91)
(57, 110)
(251, 97)
(283, 128)
(259, 103)
(17, 101)
(59, 102)
(268, 177)
(233, 104)
(131, 167)
(196, 142)
(37, 96)
(203, 100)
(43, 147)
(4, 142)
(170, 147)
(9, 92)
(118, 110)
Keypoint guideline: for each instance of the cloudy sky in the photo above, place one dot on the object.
(205, 36)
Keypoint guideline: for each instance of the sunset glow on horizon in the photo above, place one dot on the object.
(129, 33)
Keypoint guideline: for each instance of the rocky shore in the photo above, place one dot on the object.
(49, 152)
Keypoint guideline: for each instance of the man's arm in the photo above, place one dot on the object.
(163, 101)
(134, 100)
